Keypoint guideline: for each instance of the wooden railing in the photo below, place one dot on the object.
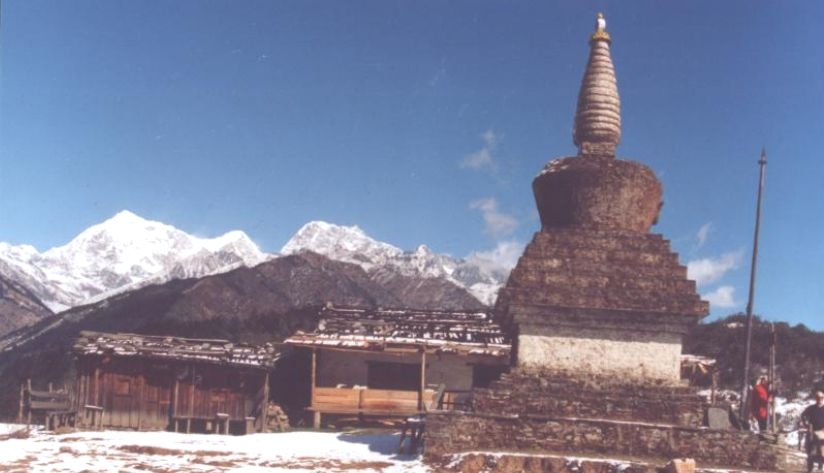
(53, 406)
(385, 401)
(349, 400)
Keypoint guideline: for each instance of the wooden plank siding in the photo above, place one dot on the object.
(144, 394)
(368, 401)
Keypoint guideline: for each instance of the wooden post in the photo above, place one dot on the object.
(265, 403)
(773, 384)
(81, 380)
(142, 382)
(87, 383)
(20, 407)
(97, 388)
(746, 381)
(28, 390)
(191, 403)
(423, 379)
(316, 413)
(174, 402)
(98, 416)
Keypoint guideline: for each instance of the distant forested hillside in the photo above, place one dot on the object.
(799, 351)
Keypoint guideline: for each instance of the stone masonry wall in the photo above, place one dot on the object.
(455, 432)
(552, 393)
(639, 355)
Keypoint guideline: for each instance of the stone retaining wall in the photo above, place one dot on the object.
(514, 463)
(559, 395)
(455, 432)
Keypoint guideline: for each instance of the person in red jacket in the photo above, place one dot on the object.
(760, 401)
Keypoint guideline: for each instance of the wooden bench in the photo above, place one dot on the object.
(63, 418)
(93, 414)
(221, 423)
(368, 402)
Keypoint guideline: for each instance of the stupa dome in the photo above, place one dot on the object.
(594, 189)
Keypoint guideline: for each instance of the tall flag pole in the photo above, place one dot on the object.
(746, 381)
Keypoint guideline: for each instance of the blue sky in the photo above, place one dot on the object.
(421, 122)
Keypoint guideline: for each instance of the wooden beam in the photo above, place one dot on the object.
(28, 388)
(82, 396)
(20, 408)
(174, 401)
(96, 400)
(142, 380)
(316, 416)
(423, 379)
(314, 373)
(191, 403)
(264, 404)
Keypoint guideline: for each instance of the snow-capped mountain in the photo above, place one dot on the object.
(122, 253)
(352, 245)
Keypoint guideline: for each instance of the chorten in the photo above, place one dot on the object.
(595, 292)
(597, 307)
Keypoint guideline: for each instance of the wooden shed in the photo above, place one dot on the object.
(399, 362)
(156, 383)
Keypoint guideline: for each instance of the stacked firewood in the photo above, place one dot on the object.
(276, 419)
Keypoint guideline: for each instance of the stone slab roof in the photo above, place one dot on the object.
(220, 352)
(377, 329)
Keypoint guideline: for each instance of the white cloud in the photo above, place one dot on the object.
(498, 224)
(723, 297)
(482, 159)
(708, 270)
(500, 259)
(490, 138)
(703, 233)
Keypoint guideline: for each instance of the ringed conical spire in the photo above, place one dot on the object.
(597, 128)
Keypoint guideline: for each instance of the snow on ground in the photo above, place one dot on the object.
(133, 452)
(788, 411)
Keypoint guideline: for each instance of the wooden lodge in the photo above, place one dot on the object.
(399, 362)
(157, 383)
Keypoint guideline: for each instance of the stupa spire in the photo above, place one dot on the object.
(597, 128)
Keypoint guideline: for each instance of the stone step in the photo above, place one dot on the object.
(525, 393)
(597, 255)
(602, 265)
(451, 432)
(572, 279)
(556, 379)
(672, 411)
(617, 240)
(641, 300)
(516, 462)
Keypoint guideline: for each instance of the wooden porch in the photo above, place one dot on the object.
(362, 401)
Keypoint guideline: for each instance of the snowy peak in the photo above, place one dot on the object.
(353, 245)
(121, 243)
(122, 253)
(349, 244)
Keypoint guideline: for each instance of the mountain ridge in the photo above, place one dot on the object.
(123, 251)
(353, 245)
(127, 252)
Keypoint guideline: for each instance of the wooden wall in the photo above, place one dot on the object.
(140, 394)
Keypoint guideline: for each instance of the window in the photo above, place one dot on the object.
(400, 376)
(483, 375)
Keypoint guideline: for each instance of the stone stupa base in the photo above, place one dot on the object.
(531, 413)
(600, 302)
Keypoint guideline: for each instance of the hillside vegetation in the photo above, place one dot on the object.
(799, 351)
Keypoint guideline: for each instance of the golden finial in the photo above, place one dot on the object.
(600, 29)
